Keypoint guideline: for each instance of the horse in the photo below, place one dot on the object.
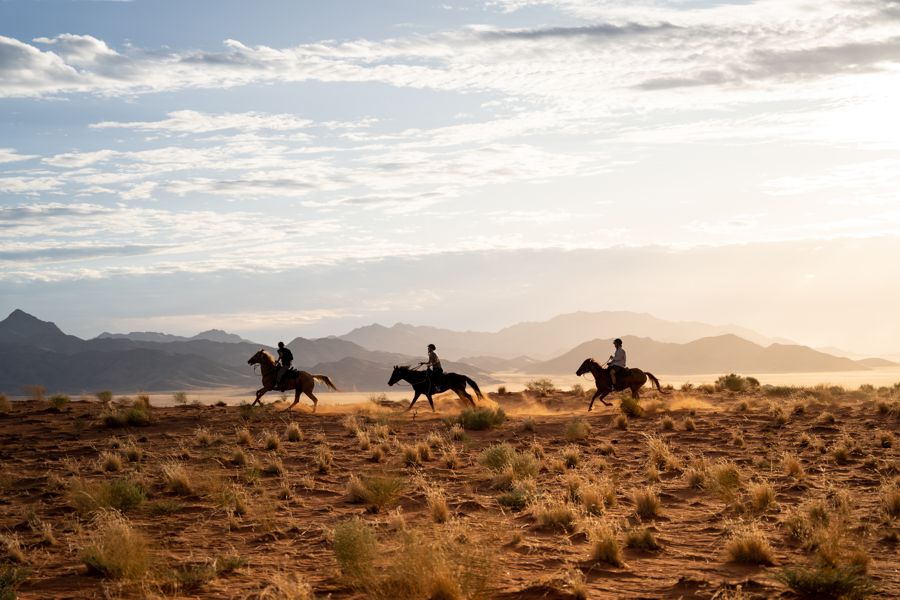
(300, 381)
(421, 384)
(627, 378)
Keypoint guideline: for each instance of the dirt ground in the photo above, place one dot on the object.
(253, 515)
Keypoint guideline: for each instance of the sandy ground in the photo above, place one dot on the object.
(275, 525)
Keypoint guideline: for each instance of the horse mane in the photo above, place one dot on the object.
(268, 356)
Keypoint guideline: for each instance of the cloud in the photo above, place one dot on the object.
(191, 121)
(8, 155)
(68, 252)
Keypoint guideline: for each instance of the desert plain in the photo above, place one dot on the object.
(714, 491)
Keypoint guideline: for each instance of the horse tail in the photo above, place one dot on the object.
(324, 379)
(655, 381)
(474, 385)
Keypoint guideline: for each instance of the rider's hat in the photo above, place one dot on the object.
(617, 341)
(432, 347)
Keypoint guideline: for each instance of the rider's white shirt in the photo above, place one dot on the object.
(618, 358)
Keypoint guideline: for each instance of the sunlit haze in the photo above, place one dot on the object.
(286, 168)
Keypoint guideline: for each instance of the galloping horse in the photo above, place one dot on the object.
(421, 384)
(627, 378)
(300, 381)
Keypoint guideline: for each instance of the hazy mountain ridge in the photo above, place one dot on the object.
(38, 352)
(717, 354)
(212, 335)
(540, 339)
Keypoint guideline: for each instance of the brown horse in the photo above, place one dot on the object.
(626, 379)
(300, 381)
(421, 384)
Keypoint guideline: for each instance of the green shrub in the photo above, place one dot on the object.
(481, 418)
(355, 549)
(846, 583)
(577, 430)
(376, 491)
(540, 387)
(120, 494)
(59, 401)
(629, 406)
(10, 580)
(732, 383)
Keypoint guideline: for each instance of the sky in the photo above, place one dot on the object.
(283, 168)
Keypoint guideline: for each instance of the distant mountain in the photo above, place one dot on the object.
(37, 352)
(876, 363)
(543, 339)
(212, 335)
(720, 354)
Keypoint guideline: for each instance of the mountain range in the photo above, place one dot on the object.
(542, 340)
(33, 351)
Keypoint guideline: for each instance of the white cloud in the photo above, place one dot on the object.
(8, 155)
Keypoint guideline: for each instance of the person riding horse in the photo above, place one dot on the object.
(285, 358)
(616, 362)
(434, 371)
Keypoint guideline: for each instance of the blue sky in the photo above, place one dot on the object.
(297, 168)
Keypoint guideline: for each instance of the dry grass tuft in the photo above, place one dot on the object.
(604, 543)
(749, 545)
(90, 496)
(630, 407)
(115, 549)
(177, 478)
(660, 454)
(554, 514)
(286, 586)
(646, 503)
(792, 466)
(11, 548)
(667, 423)
(110, 462)
(641, 538)
(762, 496)
(890, 499)
(271, 441)
(376, 491)
(621, 422)
(437, 504)
(5, 404)
(577, 430)
(324, 458)
(244, 437)
(292, 433)
(847, 583)
(571, 456)
(689, 424)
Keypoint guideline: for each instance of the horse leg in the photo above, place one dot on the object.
(259, 394)
(311, 397)
(598, 396)
(415, 397)
(465, 396)
(296, 400)
(430, 401)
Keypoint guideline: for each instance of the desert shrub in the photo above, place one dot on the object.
(116, 550)
(11, 548)
(687, 386)
(244, 437)
(286, 586)
(450, 457)
(641, 538)
(437, 504)
(292, 432)
(554, 514)
(476, 419)
(890, 500)
(274, 466)
(59, 401)
(577, 430)
(11, 578)
(724, 477)
(596, 495)
(177, 479)
(501, 390)
(5, 404)
(660, 454)
(528, 425)
(134, 416)
(827, 418)
(120, 494)
(104, 396)
(376, 491)
(621, 422)
(630, 407)
(496, 456)
(779, 391)
(732, 383)
(604, 543)
(689, 424)
(571, 456)
(885, 439)
(667, 423)
(845, 583)
(355, 549)
(646, 503)
(762, 496)
(110, 462)
(706, 388)
(324, 458)
(516, 498)
(749, 545)
(271, 441)
(540, 387)
(180, 398)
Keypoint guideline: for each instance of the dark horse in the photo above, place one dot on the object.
(301, 381)
(626, 379)
(421, 384)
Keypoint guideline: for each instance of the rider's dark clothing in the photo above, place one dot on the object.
(285, 357)
(435, 371)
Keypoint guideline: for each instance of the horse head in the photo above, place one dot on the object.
(585, 366)
(256, 359)
(396, 375)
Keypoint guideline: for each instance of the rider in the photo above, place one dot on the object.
(285, 358)
(435, 371)
(616, 362)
